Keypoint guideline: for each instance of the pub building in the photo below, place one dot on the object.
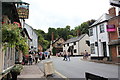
(113, 29)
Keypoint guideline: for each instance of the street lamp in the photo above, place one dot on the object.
(23, 11)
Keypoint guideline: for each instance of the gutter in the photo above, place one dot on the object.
(98, 23)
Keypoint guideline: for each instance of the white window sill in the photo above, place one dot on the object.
(118, 56)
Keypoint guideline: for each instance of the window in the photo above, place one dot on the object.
(59, 44)
(75, 51)
(102, 28)
(91, 31)
(118, 31)
(67, 44)
(64, 45)
(92, 49)
(118, 50)
(74, 43)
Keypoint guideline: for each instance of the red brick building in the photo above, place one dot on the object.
(114, 36)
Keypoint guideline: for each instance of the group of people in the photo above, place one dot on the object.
(66, 55)
(34, 57)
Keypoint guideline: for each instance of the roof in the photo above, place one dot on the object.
(105, 17)
(75, 39)
(31, 28)
(56, 40)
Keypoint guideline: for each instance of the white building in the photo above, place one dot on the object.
(77, 45)
(99, 38)
(33, 36)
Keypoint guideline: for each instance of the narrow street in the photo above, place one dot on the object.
(76, 68)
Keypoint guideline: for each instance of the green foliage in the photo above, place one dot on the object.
(41, 39)
(11, 37)
(17, 68)
(10, 33)
(83, 28)
(22, 45)
(54, 51)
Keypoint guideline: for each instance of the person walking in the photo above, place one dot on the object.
(65, 55)
(30, 59)
(86, 54)
(36, 58)
(69, 56)
(49, 53)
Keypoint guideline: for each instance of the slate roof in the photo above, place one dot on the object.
(103, 18)
(75, 39)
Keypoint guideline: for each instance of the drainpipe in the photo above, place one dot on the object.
(97, 42)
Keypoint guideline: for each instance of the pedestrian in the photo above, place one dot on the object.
(69, 55)
(36, 58)
(30, 59)
(49, 53)
(86, 54)
(40, 55)
(65, 55)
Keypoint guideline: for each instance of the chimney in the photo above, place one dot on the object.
(78, 33)
(112, 11)
(52, 36)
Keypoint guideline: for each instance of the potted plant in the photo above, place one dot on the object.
(16, 71)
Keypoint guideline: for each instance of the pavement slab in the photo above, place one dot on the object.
(31, 71)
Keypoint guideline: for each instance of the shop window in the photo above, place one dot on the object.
(92, 49)
(101, 28)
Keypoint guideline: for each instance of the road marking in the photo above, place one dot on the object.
(60, 74)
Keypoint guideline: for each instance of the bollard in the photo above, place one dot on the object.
(48, 68)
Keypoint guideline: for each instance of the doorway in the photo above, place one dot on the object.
(104, 49)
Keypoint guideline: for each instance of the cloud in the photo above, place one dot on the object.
(59, 13)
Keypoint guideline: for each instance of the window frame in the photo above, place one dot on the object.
(102, 29)
(118, 50)
(91, 32)
(118, 31)
(92, 48)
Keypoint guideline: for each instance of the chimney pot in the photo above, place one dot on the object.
(112, 11)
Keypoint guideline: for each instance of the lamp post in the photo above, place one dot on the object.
(23, 11)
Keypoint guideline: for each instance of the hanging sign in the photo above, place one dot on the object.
(111, 28)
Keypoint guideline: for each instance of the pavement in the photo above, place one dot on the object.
(101, 61)
(31, 71)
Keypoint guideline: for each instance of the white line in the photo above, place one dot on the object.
(60, 74)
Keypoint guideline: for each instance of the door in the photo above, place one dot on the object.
(104, 49)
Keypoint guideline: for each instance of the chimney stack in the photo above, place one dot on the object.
(78, 33)
(112, 11)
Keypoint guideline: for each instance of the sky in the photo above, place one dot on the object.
(60, 13)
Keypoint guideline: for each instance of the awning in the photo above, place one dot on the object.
(114, 42)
